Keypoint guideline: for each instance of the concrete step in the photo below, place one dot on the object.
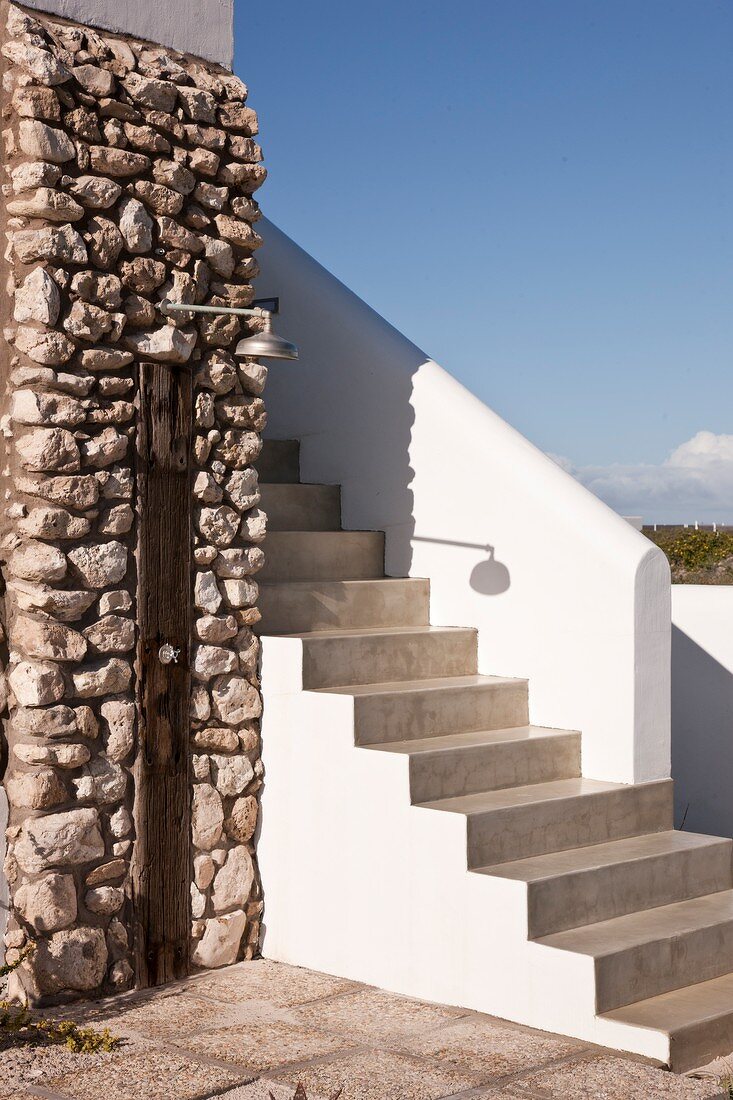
(279, 460)
(323, 555)
(291, 608)
(424, 708)
(484, 760)
(335, 657)
(519, 822)
(641, 955)
(301, 507)
(698, 1020)
(582, 886)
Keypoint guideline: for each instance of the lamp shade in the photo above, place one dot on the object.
(266, 345)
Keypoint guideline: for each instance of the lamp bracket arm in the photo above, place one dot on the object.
(166, 307)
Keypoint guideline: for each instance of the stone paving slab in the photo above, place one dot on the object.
(603, 1078)
(262, 1045)
(161, 1017)
(23, 1068)
(266, 1089)
(153, 1074)
(376, 1015)
(262, 1028)
(484, 1047)
(276, 983)
(382, 1075)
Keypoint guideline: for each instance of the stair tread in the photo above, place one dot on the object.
(469, 739)
(440, 683)
(558, 864)
(508, 797)
(689, 1006)
(378, 631)
(646, 926)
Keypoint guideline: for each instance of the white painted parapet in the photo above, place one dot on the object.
(562, 589)
(702, 707)
(201, 27)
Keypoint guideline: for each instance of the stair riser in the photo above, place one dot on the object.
(653, 968)
(279, 461)
(323, 555)
(301, 507)
(331, 662)
(559, 824)
(695, 1046)
(574, 900)
(469, 769)
(342, 587)
(324, 605)
(405, 716)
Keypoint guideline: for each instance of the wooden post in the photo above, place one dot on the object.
(161, 874)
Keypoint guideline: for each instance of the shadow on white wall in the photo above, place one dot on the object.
(702, 708)
(489, 577)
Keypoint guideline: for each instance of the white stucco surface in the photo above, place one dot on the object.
(200, 27)
(359, 882)
(702, 707)
(563, 590)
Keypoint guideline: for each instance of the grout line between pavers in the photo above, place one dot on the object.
(425, 1061)
(583, 1051)
(227, 1089)
(483, 1077)
(317, 1060)
(241, 1076)
(249, 1075)
(528, 1071)
(279, 1073)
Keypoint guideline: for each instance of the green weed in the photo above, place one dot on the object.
(17, 1025)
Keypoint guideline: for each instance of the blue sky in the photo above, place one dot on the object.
(538, 193)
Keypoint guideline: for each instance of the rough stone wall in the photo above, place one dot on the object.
(129, 176)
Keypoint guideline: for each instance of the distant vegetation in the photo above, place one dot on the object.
(696, 557)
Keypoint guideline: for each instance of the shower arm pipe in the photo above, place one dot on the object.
(180, 307)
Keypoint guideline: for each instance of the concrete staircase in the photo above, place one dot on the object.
(421, 834)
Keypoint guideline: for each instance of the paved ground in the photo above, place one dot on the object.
(256, 1030)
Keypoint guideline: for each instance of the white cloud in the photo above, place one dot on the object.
(702, 451)
(694, 483)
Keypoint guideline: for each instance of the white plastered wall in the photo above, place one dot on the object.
(563, 590)
(359, 882)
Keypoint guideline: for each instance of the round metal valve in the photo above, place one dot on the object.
(167, 655)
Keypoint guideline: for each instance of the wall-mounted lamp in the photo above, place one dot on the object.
(262, 345)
